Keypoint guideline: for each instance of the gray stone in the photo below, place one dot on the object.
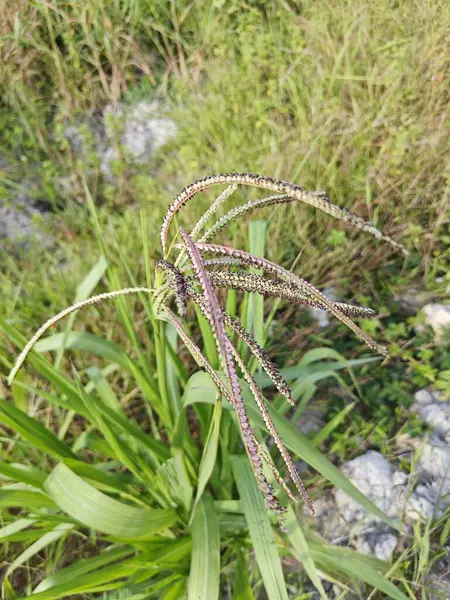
(140, 130)
(413, 299)
(434, 410)
(379, 542)
(145, 129)
(438, 317)
(341, 520)
(372, 474)
(434, 462)
(20, 222)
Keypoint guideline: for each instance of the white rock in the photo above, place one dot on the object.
(420, 505)
(434, 410)
(372, 474)
(342, 520)
(438, 317)
(434, 461)
(140, 129)
(20, 222)
(378, 543)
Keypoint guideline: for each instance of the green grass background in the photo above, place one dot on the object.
(349, 97)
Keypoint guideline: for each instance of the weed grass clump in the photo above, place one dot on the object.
(198, 287)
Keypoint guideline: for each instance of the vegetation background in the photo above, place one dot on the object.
(350, 97)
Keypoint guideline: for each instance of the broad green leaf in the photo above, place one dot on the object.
(45, 540)
(316, 543)
(86, 287)
(204, 576)
(100, 478)
(72, 573)
(100, 512)
(200, 388)
(33, 431)
(174, 480)
(261, 534)
(302, 551)
(209, 453)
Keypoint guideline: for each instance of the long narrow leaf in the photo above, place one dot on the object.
(300, 545)
(209, 453)
(357, 567)
(78, 569)
(100, 512)
(255, 312)
(204, 576)
(33, 431)
(261, 534)
(45, 540)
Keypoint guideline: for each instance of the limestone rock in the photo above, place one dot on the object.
(140, 130)
(438, 317)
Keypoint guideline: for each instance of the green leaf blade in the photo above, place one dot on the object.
(95, 509)
(204, 577)
(261, 534)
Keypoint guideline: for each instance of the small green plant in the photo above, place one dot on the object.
(164, 474)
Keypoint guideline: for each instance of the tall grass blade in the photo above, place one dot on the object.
(209, 454)
(94, 509)
(81, 567)
(33, 431)
(261, 534)
(84, 290)
(302, 551)
(204, 576)
(48, 538)
(356, 566)
(255, 312)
